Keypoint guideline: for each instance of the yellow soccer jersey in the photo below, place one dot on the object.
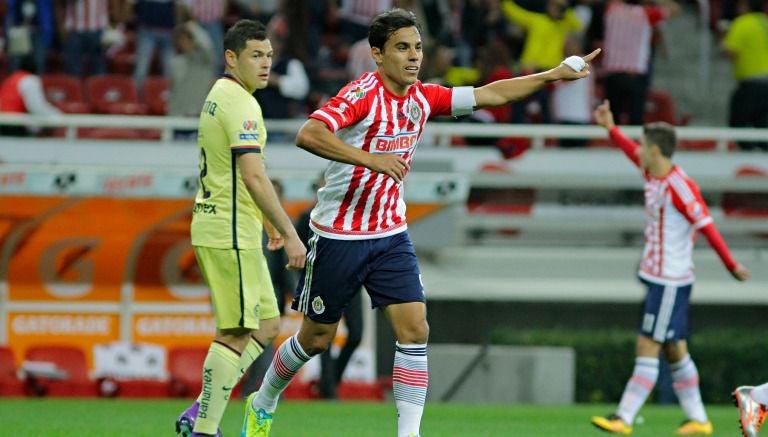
(231, 123)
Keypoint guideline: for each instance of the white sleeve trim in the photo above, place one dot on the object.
(330, 119)
(463, 100)
(31, 89)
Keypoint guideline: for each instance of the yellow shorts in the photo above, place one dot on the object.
(241, 289)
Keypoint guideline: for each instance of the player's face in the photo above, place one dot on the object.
(400, 61)
(647, 153)
(253, 64)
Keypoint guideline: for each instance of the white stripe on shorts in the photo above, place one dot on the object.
(308, 270)
(668, 299)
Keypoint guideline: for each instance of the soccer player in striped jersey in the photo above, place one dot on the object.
(234, 199)
(369, 132)
(675, 211)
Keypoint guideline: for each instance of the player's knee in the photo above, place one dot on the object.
(315, 341)
(270, 332)
(316, 346)
(417, 333)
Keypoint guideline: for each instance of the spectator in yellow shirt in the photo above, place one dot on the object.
(746, 43)
(546, 34)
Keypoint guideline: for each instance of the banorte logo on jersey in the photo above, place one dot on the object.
(400, 143)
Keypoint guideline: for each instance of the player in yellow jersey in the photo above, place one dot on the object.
(234, 201)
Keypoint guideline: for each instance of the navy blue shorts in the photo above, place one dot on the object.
(336, 269)
(665, 316)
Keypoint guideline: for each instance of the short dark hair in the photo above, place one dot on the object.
(662, 135)
(386, 23)
(243, 31)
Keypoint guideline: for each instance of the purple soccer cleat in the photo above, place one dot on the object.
(185, 424)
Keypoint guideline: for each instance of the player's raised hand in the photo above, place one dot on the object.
(603, 115)
(390, 164)
(575, 67)
(740, 272)
(296, 252)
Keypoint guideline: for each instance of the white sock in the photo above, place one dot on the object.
(410, 377)
(638, 388)
(288, 359)
(685, 381)
(760, 394)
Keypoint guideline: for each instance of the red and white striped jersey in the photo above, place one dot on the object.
(628, 33)
(675, 211)
(357, 203)
(207, 11)
(86, 15)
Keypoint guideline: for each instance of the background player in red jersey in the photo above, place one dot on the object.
(675, 212)
(369, 132)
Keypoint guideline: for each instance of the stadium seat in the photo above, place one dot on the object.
(122, 59)
(135, 370)
(114, 94)
(10, 384)
(70, 359)
(659, 106)
(65, 92)
(185, 366)
(155, 93)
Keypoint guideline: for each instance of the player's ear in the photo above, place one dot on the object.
(378, 55)
(230, 58)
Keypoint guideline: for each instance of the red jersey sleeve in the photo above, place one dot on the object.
(717, 243)
(628, 146)
(687, 199)
(348, 107)
(439, 98)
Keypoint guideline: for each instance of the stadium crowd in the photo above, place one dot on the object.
(171, 48)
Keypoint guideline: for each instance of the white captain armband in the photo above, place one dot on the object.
(462, 100)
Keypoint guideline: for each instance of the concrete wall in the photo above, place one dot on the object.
(501, 374)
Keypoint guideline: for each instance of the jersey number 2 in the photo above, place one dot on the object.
(203, 173)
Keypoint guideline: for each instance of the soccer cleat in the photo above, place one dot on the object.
(751, 413)
(185, 424)
(612, 423)
(256, 423)
(692, 427)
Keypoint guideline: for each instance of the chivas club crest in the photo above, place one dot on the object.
(318, 306)
(415, 113)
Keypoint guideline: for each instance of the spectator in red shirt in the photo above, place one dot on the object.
(22, 93)
(628, 31)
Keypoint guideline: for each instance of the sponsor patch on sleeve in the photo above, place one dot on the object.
(694, 210)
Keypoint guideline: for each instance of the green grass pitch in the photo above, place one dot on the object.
(138, 418)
